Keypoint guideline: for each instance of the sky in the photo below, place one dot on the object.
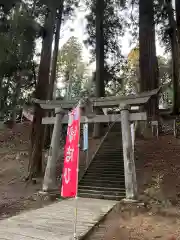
(78, 25)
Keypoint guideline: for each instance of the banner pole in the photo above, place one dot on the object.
(76, 197)
(75, 218)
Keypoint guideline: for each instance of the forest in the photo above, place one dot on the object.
(61, 72)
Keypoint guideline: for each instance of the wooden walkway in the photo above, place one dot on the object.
(55, 222)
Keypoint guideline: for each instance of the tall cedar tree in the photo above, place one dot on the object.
(99, 81)
(48, 128)
(41, 92)
(42, 87)
(178, 19)
(104, 27)
(113, 24)
(100, 91)
(147, 58)
(173, 37)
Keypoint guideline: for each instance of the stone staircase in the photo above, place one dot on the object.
(104, 179)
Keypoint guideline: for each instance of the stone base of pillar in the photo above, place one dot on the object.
(50, 194)
(125, 200)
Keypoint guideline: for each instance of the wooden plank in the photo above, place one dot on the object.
(142, 116)
(55, 221)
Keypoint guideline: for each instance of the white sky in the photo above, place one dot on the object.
(78, 25)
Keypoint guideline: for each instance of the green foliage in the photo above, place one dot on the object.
(71, 68)
(17, 67)
(113, 30)
(6, 6)
(131, 73)
(21, 23)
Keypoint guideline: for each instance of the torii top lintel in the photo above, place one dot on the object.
(106, 102)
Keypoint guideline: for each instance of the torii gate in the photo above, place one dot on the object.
(125, 117)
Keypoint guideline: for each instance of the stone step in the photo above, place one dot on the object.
(103, 164)
(105, 171)
(115, 183)
(109, 175)
(102, 191)
(114, 134)
(102, 154)
(108, 184)
(101, 174)
(117, 164)
(112, 167)
(111, 161)
(116, 171)
(99, 196)
(104, 179)
(110, 158)
(109, 155)
(105, 160)
(111, 147)
(99, 188)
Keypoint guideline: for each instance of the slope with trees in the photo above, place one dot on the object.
(22, 23)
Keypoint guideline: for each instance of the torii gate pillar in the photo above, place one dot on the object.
(128, 153)
(49, 183)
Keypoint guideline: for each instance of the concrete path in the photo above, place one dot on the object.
(55, 222)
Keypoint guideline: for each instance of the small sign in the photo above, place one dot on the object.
(85, 136)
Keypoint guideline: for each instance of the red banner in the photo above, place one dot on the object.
(71, 155)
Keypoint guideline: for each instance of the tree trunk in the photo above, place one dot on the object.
(41, 92)
(15, 97)
(100, 87)
(68, 79)
(55, 51)
(4, 100)
(147, 59)
(1, 98)
(48, 128)
(175, 57)
(177, 2)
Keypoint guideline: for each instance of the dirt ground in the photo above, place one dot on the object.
(135, 222)
(15, 194)
(157, 215)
